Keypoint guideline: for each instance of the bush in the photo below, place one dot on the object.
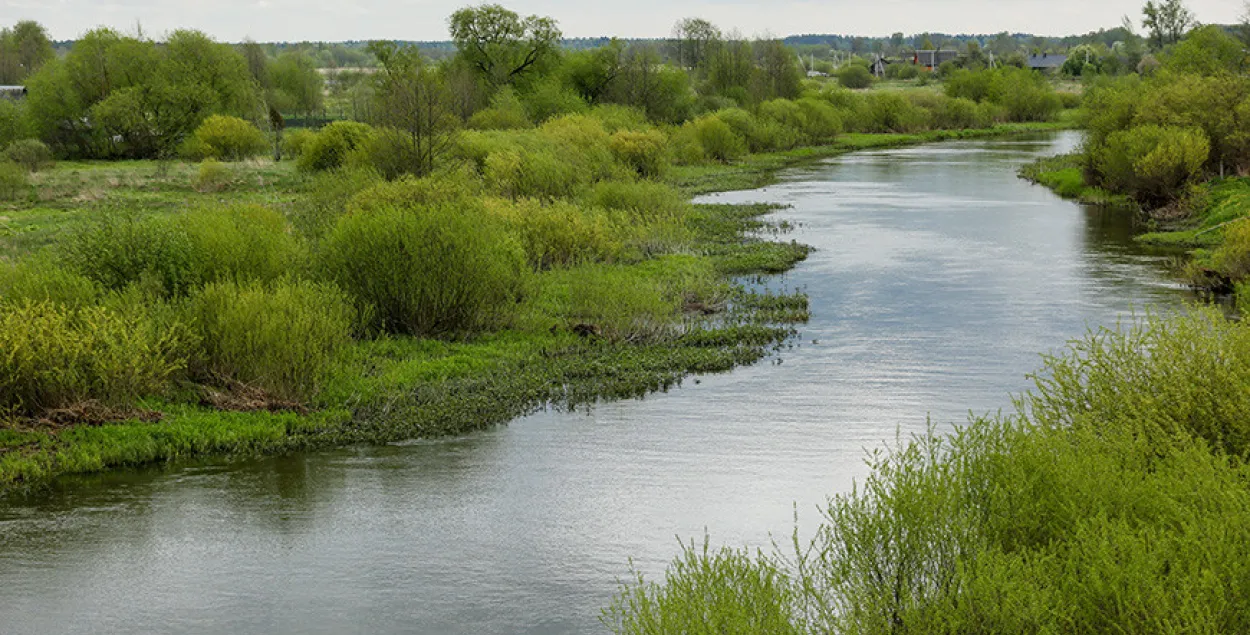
(893, 112)
(332, 146)
(212, 176)
(718, 140)
(41, 279)
(13, 123)
(821, 120)
(426, 270)
(54, 356)
(327, 198)
(559, 234)
(643, 199)
(296, 141)
(14, 181)
(389, 152)
(228, 139)
(617, 117)
(506, 112)
(966, 84)
(1025, 95)
(1232, 257)
(958, 114)
(31, 154)
(854, 76)
(644, 152)
(279, 338)
(550, 98)
(1152, 163)
(179, 253)
(538, 173)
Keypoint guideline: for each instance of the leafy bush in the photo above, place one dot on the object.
(13, 123)
(327, 198)
(31, 154)
(551, 98)
(14, 181)
(1026, 95)
(1152, 163)
(718, 140)
(559, 234)
(179, 253)
(53, 356)
(539, 173)
(41, 279)
(389, 152)
(333, 145)
(966, 84)
(426, 270)
(617, 117)
(506, 112)
(893, 112)
(296, 141)
(279, 338)
(228, 139)
(958, 114)
(212, 176)
(643, 199)
(854, 76)
(821, 120)
(645, 152)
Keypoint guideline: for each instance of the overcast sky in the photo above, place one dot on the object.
(333, 20)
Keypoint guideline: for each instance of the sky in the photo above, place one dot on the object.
(338, 20)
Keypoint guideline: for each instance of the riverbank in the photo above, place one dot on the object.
(400, 387)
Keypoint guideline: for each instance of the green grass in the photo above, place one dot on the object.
(1065, 176)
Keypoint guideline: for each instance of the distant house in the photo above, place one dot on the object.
(934, 59)
(814, 74)
(1047, 63)
(12, 92)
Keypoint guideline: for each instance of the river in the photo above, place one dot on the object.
(939, 279)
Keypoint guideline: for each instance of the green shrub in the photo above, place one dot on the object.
(854, 76)
(821, 120)
(14, 181)
(117, 250)
(427, 270)
(966, 84)
(238, 243)
(536, 174)
(1025, 95)
(893, 112)
(1232, 257)
(389, 152)
(228, 139)
(1152, 163)
(13, 123)
(559, 234)
(333, 145)
(31, 154)
(53, 356)
(551, 98)
(327, 197)
(212, 176)
(643, 199)
(296, 141)
(41, 279)
(279, 338)
(617, 117)
(708, 592)
(644, 152)
(718, 140)
(178, 253)
(1070, 100)
(958, 114)
(506, 112)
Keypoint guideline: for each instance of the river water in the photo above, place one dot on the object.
(939, 279)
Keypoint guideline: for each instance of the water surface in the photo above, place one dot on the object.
(939, 279)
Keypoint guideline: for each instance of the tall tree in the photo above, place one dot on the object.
(412, 98)
(23, 49)
(501, 45)
(692, 40)
(1167, 21)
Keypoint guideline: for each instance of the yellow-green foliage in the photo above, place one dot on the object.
(212, 176)
(278, 337)
(295, 141)
(506, 112)
(54, 356)
(42, 279)
(624, 303)
(14, 181)
(1152, 163)
(32, 154)
(333, 145)
(718, 141)
(227, 138)
(427, 269)
(555, 161)
(644, 200)
(1232, 258)
(617, 117)
(1114, 500)
(560, 234)
(178, 253)
(644, 151)
(327, 198)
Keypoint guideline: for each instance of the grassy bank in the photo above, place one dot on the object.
(627, 290)
(1064, 174)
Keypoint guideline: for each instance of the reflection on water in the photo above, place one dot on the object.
(939, 278)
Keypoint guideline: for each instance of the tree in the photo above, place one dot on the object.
(591, 73)
(778, 72)
(412, 98)
(23, 49)
(502, 46)
(297, 84)
(662, 92)
(1243, 29)
(692, 41)
(896, 42)
(257, 63)
(1167, 21)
